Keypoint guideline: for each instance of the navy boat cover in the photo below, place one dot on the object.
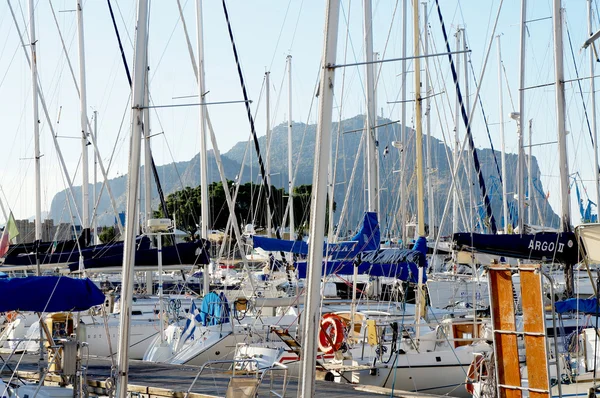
(48, 294)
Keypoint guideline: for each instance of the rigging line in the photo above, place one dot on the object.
(446, 140)
(512, 103)
(280, 33)
(296, 26)
(385, 46)
(467, 122)
(487, 127)
(123, 57)
(161, 194)
(125, 24)
(261, 164)
(587, 119)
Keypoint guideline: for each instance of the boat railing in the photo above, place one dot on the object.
(246, 377)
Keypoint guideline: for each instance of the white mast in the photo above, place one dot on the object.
(430, 200)
(147, 178)
(290, 166)
(503, 154)
(371, 113)
(563, 163)
(403, 201)
(36, 138)
(520, 118)
(85, 205)
(95, 226)
(455, 196)
(36, 124)
(203, 150)
(268, 157)
(147, 153)
(467, 102)
(317, 213)
(133, 177)
(593, 105)
(530, 178)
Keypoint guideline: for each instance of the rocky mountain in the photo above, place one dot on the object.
(181, 174)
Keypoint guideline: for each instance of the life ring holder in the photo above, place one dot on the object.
(476, 367)
(331, 333)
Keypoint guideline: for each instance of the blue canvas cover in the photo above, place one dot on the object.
(367, 238)
(190, 253)
(396, 263)
(543, 246)
(214, 309)
(48, 294)
(587, 306)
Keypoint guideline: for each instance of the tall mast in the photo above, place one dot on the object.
(403, 201)
(418, 124)
(563, 162)
(147, 152)
(468, 109)
(502, 143)
(202, 125)
(133, 177)
(95, 226)
(530, 177)
(455, 196)
(317, 213)
(268, 160)
(419, 161)
(147, 177)
(430, 200)
(593, 106)
(371, 117)
(36, 138)
(521, 118)
(290, 166)
(36, 124)
(85, 205)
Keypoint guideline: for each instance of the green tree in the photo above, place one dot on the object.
(302, 201)
(250, 206)
(108, 234)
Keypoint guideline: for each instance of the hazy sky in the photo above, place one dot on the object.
(265, 33)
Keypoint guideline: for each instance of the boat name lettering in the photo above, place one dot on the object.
(546, 246)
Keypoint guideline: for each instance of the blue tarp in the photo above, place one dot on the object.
(189, 253)
(214, 309)
(367, 238)
(396, 263)
(48, 294)
(588, 306)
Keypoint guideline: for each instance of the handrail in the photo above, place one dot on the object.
(260, 372)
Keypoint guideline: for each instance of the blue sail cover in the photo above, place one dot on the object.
(190, 253)
(402, 264)
(560, 247)
(48, 294)
(72, 255)
(588, 306)
(367, 238)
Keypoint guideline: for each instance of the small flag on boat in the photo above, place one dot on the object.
(10, 232)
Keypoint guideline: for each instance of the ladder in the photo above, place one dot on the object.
(291, 342)
(506, 354)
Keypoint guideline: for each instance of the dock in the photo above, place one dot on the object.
(153, 380)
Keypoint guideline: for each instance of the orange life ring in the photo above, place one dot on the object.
(11, 316)
(331, 333)
(473, 373)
